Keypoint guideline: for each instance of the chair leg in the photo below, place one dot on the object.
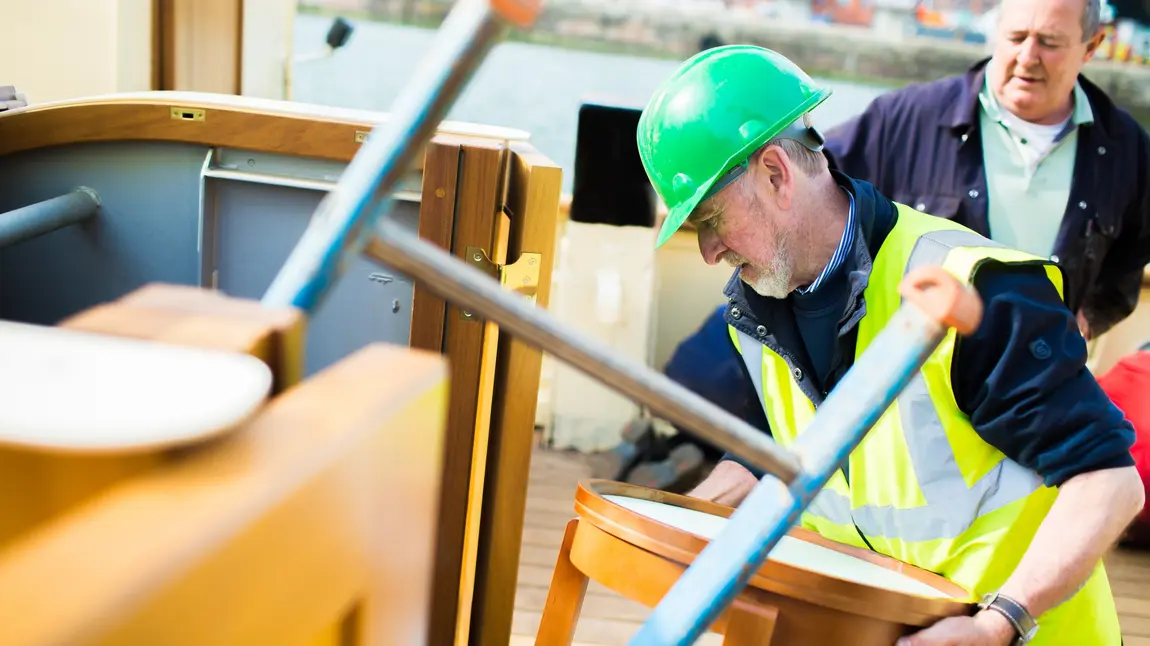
(750, 624)
(564, 597)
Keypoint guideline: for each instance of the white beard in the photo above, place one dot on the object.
(772, 282)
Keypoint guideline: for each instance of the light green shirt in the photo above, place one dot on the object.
(1028, 171)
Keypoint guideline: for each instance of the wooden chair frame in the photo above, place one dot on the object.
(609, 543)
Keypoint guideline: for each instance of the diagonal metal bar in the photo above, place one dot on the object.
(459, 283)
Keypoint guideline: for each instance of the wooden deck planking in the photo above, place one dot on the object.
(609, 619)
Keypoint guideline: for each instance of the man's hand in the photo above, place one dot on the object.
(987, 628)
(727, 484)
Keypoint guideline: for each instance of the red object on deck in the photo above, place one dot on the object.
(1127, 384)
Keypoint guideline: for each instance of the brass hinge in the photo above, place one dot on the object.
(521, 276)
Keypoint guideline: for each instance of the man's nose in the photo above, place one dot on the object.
(1028, 52)
(710, 246)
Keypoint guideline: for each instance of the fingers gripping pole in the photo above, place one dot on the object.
(934, 302)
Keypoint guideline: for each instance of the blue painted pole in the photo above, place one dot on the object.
(722, 569)
(37, 219)
(346, 217)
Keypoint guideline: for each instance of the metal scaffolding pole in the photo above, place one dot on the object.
(477, 292)
(37, 219)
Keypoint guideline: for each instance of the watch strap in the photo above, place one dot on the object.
(1014, 612)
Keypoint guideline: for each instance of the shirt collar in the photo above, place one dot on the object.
(846, 243)
(1082, 113)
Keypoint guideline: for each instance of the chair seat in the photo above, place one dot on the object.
(68, 390)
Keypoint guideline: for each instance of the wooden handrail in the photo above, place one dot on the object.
(262, 125)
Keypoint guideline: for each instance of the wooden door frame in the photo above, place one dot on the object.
(533, 196)
(461, 207)
(504, 200)
(165, 52)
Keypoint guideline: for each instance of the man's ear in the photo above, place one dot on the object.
(1094, 44)
(775, 167)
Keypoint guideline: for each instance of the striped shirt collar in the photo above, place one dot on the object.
(845, 244)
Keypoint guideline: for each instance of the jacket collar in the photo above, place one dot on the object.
(963, 114)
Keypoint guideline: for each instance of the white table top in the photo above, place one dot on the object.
(68, 390)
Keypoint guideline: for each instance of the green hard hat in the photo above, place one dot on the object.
(704, 121)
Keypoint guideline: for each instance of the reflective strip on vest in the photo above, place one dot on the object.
(951, 507)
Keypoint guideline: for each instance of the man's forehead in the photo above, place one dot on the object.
(1053, 17)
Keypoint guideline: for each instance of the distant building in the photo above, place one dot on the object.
(895, 19)
(844, 12)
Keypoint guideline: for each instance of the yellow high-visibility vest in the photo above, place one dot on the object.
(923, 486)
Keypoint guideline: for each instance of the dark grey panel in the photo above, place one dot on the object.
(255, 228)
(146, 230)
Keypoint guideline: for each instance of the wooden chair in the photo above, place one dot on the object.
(313, 523)
(785, 604)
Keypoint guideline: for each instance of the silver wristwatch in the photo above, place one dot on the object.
(1023, 623)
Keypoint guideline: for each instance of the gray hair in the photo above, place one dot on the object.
(808, 161)
(811, 163)
(1091, 19)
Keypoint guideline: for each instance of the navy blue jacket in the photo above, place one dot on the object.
(1039, 406)
(921, 146)
(707, 364)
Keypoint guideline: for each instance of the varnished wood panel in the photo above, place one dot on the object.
(36, 486)
(158, 40)
(479, 205)
(436, 224)
(321, 505)
(533, 196)
(237, 122)
(201, 45)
